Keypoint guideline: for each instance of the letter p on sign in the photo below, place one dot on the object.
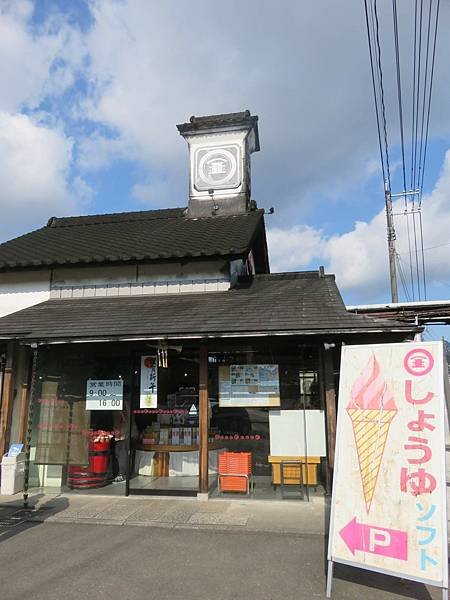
(378, 538)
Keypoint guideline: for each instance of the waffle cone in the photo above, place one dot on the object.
(370, 428)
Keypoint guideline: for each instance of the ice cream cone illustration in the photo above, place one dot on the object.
(371, 410)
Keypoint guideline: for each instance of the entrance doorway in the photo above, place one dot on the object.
(164, 437)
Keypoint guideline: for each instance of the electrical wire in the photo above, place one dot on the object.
(423, 257)
(417, 100)
(375, 93)
(413, 96)
(429, 99)
(424, 93)
(399, 94)
(426, 20)
(402, 277)
(409, 256)
(383, 106)
(416, 253)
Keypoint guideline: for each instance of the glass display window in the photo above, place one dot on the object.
(81, 418)
(267, 409)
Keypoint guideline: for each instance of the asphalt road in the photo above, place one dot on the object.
(61, 561)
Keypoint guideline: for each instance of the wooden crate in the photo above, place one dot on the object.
(292, 472)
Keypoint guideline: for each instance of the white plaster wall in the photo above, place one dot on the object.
(25, 288)
(22, 289)
(177, 271)
(130, 274)
(91, 275)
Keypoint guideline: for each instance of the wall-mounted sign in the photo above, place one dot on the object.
(104, 394)
(249, 385)
(389, 492)
(217, 167)
(149, 382)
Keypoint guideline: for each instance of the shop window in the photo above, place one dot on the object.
(265, 402)
(80, 418)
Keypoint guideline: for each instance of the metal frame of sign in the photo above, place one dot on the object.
(443, 413)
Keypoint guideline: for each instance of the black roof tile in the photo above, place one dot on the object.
(133, 236)
(302, 303)
(223, 121)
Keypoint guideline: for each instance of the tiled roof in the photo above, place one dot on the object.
(133, 236)
(297, 303)
(223, 121)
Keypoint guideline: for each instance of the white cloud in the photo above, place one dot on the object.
(37, 63)
(294, 248)
(149, 65)
(149, 71)
(33, 66)
(359, 257)
(34, 162)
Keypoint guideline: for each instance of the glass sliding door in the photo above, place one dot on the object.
(164, 438)
(80, 414)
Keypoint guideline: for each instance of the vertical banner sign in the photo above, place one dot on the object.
(149, 382)
(389, 509)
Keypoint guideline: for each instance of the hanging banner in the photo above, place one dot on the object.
(149, 382)
(389, 493)
(62, 426)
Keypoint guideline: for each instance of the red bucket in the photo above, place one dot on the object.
(98, 457)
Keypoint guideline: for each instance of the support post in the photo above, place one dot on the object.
(330, 403)
(23, 416)
(329, 578)
(7, 401)
(391, 246)
(29, 426)
(203, 420)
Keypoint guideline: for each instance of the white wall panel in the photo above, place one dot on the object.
(22, 289)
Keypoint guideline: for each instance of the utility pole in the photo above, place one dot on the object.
(391, 245)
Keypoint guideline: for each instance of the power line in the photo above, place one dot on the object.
(423, 258)
(417, 97)
(429, 98)
(424, 92)
(402, 277)
(416, 253)
(383, 106)
(424, 45)
(374, 92)
(399, 93)
(413, 95)
(409, 260)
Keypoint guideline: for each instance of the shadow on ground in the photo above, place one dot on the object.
(386, 583)
(14, 518)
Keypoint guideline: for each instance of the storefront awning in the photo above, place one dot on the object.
(286, 303)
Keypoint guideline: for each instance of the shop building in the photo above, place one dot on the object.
(154, 353)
